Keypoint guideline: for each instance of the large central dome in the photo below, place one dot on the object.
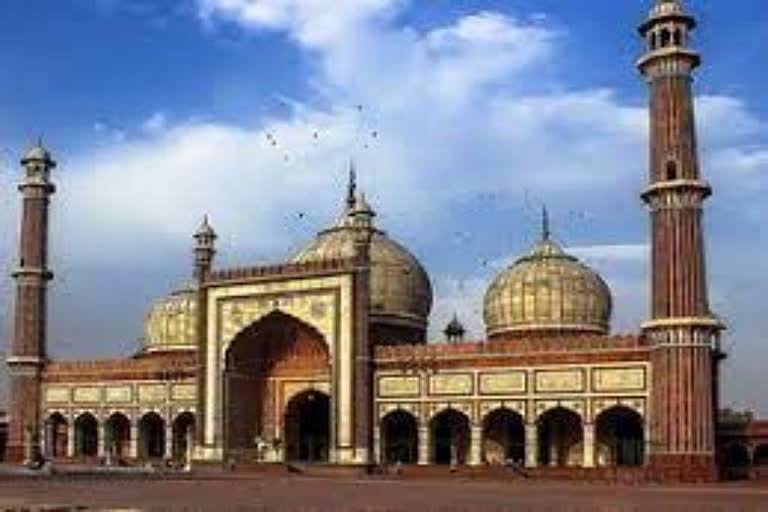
(547, 292)
(401, 294)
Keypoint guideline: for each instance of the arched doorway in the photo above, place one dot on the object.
(735, 461)
(503, 437)
(58, 436)
(275, 347)
(620, 437)
(399, 438)
(307, 427)
(118, 432)
(183, 429)
(560, 438)
(151, 436)
(450, 437)
(760, 457)
(86, 436)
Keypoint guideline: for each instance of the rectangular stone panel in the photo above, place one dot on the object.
(152, 393)
(502, 383)
(557, 381)
(398, 386)
(118, 394)
(451, 384)
(57, 395)
(619, 379)
(183, 392)
(86, 395)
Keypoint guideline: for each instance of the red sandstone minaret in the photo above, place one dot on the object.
(28, 351)
(683, 332)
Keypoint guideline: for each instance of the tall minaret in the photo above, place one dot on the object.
(683, 331)
(28, 351)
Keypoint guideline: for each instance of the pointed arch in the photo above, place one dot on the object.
(58, 435)
(307, 427)
(86, 435)
(503, 437)
(620, 435)
(561, 437)
(399, 437)
(182, 430)
(450, 435)
(277, 345)
(118, 435)
(151, 436)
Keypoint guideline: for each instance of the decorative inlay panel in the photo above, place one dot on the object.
(502, 383)
(152, 393)
(451, 384)
(618, 379)
(398, 386)
(558, 381)
(183, 392)
(118, 394)
(87, 395)
(57, 395)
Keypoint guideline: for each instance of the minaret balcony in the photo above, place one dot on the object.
(672, 54)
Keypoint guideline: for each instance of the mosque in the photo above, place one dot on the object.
(325, 359)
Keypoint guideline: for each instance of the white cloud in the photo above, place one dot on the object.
(156, 123)
(311, 22)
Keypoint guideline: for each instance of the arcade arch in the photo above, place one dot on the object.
(560, 435)
(399, 437)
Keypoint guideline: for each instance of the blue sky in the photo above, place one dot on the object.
(483, 109)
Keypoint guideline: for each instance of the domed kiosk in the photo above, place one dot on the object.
(547, 292)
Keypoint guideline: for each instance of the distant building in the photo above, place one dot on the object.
(323, 358)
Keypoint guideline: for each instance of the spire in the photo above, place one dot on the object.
(545, 230)
(352, 185)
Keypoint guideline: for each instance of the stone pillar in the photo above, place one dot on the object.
(531, 445)
(168, 440)
(190, 439)
(102, 442)
(475, 445)
(133, 443)
(588, 459)
(377, 445)
(49, 440)
(70, 438)
(423, 446)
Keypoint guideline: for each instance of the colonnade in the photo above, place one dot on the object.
(557, 438)
(118, 436)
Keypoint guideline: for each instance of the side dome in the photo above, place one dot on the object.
(401, 293)
(547, 292)
(171, 323)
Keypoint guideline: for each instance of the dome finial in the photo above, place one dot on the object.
(352, 184)
(546, 233)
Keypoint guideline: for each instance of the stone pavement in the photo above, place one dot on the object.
(310, 494)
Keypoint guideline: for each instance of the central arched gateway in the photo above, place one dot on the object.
(307, 427)
(264, 362)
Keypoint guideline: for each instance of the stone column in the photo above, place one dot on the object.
(49, 440)
(531, 445)
(423, 446)
(101, 430)
(70, 438)
(588, 459)
(377, 445)
(475, 445)
(133, 443)
(168, 440)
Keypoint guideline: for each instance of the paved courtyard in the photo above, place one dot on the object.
(296, 493)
